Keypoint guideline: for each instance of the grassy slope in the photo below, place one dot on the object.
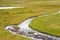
(16, 16)
(47, 24)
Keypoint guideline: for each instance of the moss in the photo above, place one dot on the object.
(30, 32)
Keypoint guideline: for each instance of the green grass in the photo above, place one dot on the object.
(16, 16)
(47, 24)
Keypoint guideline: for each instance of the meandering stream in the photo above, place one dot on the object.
(11, 7)
(26, 31)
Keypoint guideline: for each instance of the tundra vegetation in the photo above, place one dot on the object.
(16, 16)
(47, 24)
